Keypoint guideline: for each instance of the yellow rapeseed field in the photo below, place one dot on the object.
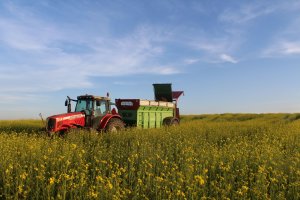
(229, 156)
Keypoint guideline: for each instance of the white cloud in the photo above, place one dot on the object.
(211, 50)
(210, 46)
(246, 12)
(49, 66)
(165, 70)
(122, 83)
(190, 61)
(282, 48)
(283, 42)
(8, 98)
(228, 58)
(23, 30)
(291, 48)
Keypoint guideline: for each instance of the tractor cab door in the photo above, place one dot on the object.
(101, 108)
(89, 113)
(85, 106)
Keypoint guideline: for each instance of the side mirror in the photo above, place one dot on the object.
(66, 102)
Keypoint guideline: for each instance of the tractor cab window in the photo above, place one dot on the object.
(100, 107)
(84, 105)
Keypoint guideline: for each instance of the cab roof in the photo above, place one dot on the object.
(87, 96)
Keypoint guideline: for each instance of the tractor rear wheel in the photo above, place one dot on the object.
(114, 125)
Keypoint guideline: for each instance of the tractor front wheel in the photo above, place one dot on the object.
(114, 125)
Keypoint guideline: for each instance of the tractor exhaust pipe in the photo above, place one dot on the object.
(41, 116)
(68, 103)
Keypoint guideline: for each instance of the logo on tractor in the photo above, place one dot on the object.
(70, 117)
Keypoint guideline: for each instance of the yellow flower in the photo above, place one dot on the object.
(68, 162)
(180, 193)
(159, 179)
(245, 188)
(109, 185)
(20, 188)
(99, 178)
(51, 180)
(93, 194)
(140, 182)
(73, 146)
(261, 169)
(199, 179)
(23, 176)
(103, 161)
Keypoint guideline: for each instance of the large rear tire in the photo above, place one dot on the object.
(114, 125)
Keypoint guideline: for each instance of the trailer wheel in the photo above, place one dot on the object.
(170, 121)
(174, 122)
(114, 125)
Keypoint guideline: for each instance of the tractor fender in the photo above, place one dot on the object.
(104, 121)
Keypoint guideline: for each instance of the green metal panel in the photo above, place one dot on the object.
(152, 117)
(144, 113)
(158, 117)
(146, 116)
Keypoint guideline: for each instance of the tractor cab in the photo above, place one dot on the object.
(94, 108)
(93, 105)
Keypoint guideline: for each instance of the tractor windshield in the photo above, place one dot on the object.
(84, 104)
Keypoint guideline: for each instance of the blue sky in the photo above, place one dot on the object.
(228, 56)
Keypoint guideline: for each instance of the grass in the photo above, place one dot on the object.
(228, 156)
(19, 126)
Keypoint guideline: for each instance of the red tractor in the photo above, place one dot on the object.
(92, 112)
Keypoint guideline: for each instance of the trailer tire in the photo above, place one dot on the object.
(174, 122)
(114, 125)
(170, 121)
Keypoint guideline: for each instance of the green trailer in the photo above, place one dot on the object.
(151, 113)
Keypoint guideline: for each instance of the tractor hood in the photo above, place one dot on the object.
(68, 116)
(65, 121)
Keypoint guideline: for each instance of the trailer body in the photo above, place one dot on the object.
(145, 113)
